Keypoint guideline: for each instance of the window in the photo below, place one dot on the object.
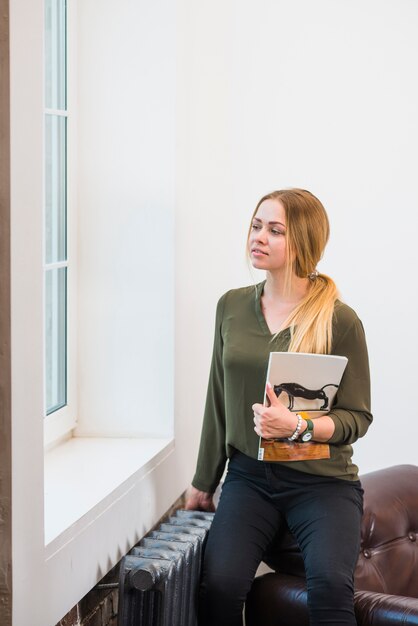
(59, 406)
(100, 304)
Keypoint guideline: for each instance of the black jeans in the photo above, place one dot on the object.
(324, 514)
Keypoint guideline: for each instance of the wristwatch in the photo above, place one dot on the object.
(308, 433)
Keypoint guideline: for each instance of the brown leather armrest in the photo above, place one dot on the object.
(277, 599)
(281, 600)
(381, 609)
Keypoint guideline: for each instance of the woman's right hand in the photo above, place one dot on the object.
(199, 500)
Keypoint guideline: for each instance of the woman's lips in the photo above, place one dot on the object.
(257, 252)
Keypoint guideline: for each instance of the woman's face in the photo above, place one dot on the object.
(267, 242)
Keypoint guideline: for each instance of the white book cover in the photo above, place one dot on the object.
(302, 382)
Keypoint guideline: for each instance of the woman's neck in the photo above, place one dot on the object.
(274, 289)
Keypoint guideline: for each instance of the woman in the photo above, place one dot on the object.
(294, 309)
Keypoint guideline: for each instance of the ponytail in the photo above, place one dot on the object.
(310, 322)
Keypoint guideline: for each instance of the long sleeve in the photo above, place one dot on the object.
(212, 451)
(351, 411)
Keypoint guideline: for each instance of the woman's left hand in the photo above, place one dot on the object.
(274, 421)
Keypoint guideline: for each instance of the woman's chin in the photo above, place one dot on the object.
(259, 264)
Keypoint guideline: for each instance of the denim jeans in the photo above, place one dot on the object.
(324, 515)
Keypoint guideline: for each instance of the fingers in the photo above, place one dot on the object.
(274, 400)
(257, 408)
(199, 504)
(210, 507)
(260, 423)
(196, 500)
(261, 430)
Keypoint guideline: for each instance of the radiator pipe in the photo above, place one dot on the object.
(145, 577)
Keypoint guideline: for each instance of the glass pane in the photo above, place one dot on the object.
(55, 188)
(56, 338)
(55, 54)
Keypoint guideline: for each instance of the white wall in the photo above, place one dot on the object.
(320, 95)
(126, 165)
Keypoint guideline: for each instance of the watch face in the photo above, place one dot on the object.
(306, 436)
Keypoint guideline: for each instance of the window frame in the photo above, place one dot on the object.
(58, 425)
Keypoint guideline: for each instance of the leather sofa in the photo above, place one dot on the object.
(386, 575)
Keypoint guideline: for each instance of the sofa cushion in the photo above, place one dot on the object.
(388, 560)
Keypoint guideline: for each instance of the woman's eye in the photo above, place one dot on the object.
(255, 226)
(277, 232)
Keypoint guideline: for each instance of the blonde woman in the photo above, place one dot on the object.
(294, 309)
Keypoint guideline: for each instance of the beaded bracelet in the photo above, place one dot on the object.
(295, 435)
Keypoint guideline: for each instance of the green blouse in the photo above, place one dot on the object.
(237, 377)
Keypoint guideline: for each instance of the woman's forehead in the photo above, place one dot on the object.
(271, 210)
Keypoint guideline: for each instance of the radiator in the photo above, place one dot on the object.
(159, 578)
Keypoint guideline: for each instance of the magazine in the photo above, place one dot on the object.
(303, 382)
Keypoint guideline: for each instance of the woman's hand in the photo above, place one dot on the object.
(274, 421)
(199, 500)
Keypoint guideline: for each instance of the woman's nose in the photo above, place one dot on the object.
(261, 235)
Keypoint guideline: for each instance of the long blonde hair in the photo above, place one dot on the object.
(307, 233)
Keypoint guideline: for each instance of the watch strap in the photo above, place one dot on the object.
(310, 425)
(307, 434)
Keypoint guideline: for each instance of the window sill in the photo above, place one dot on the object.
(85, 476)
